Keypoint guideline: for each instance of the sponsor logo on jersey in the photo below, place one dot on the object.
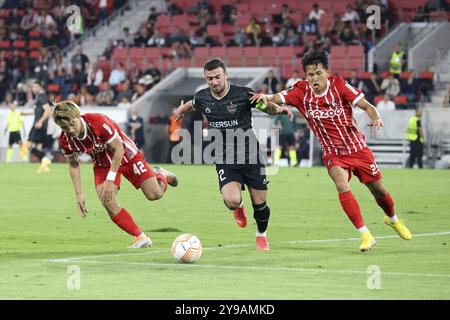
(320, 113)
(224, 124)
(232, 108)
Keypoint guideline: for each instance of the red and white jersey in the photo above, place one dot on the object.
(99, 130)
(330, 114)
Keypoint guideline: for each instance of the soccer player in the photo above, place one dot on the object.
(228, 108)
(113, 154)
(38, 132)
(327, 103)
(14, 124)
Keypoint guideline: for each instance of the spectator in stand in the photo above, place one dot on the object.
(397, 61)
(108, 52)
(153, 16)
(253, 32)
(292, 38)
(350, 16)
(323, 41)
(279, 38)
(117, 75)
(172, 8)
(195, 40)
(446, 102)
(127, 39)
(124, 91)
(239, 37)
(371, 87)
(386, 104)
(306, 27)
(410, 87)
(285, 11)
(17, 65)
(140, 90)
(293, 79)
(29, 20)
(391, 86)
(348, 37)
(271, 81)
(338, 24)
(80, 63)
(106, 96)
(178, 36)
(315, 15)
(157, 39)
(135, 129)
(41, 68)
(354, 81)
(154, 72)
(204, 18)
(104, 7)
(141, 37)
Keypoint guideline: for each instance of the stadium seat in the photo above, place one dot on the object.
(426, 75)
(136, 53)
(405, 75)
(201, 54)
(377, 99)
(384, 74)
(234, 56)
(19, 44)
(5, 45)
(401, 100)
(252, 55)
(34, 44)
(53, 88)
(355, 51)
(365, 75)
(338, 52)
(35, 54)
(218, 52)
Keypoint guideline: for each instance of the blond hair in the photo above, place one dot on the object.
(65, 111)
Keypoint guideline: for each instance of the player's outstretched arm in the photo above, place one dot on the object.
(75, 175)
(274, 109)
(372, 112)
(184, 107)
(265, 98)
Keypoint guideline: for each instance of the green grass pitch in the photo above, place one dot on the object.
(313, 247)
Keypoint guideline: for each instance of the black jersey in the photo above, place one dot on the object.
(231, 115)
(41, 100)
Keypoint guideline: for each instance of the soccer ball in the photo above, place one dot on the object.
(187, 248)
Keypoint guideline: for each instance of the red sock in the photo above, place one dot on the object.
(125, 222)
(387, 204)
(351, 208)
(162, 178)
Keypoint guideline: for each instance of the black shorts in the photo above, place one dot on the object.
(14, 137)
(287, 140)
(37, 135)
(252, 175)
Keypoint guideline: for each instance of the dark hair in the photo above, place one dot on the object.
(215, 63)
(315, 57)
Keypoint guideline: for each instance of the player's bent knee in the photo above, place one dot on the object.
(232, 203)
(342, 186)
(154, 195)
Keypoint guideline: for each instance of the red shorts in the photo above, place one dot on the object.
(136, 171)
(361, 163)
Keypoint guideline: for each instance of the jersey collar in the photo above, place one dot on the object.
(322, 94)
(217, 98)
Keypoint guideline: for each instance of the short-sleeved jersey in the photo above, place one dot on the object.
(99, 130)
(330, 114)
(41, 100)
(14, 121)
(231, 112)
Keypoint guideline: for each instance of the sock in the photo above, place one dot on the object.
(277, 156)
(293, 157)
(24, 152)
(9, 155)
(351, 208)
(38, 153)
(261, 234)
(241, 204)
(363, 229)
(161, 178)
(125, 221)
(261, 214)
(387, 204)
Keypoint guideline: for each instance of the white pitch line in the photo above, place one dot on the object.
(76, 259)
(255, 268)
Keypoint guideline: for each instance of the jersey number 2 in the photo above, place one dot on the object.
(139, 168)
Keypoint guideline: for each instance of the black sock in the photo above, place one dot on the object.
(38, 153)
(261, 214)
